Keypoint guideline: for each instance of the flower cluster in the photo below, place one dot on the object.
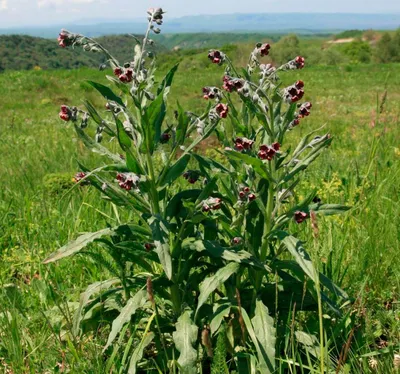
(304, 110)
(156, 16)
(222, 110)
(65, 38)
(192, 176)
(217, 57)
(233, 84)
(125, 75)
(127, 181)
(294, 93)
(211, 93)
(212, 203)
(300, 217)
(243, 144)
(268, 152)
(80, 178)
(245, 194)
(264, 49)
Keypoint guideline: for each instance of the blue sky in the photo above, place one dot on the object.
(45, 12)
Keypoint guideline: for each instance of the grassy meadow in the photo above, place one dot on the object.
(40, 209)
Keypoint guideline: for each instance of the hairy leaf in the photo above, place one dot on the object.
(297, 250)
(160, 237)
(137, 354)
(76, 245)
(127, 312)
(184, 338)
(210, 284)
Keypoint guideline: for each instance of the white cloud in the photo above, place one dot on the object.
(3, 4)
(44, 3)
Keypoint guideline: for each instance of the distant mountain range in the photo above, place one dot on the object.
(301, 23)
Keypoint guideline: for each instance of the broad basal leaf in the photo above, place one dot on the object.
(264, 329)
(184, 338)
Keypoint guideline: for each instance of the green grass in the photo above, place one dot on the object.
(39, 212)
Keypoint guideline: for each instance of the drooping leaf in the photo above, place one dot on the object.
(257, 164)
(220, 312)
(94, 146)
(184, 337)
(297, 250)
(210, 284)
(329, 209)
(85, 296)
(107, 93)
(264, 329)
(77, 244)
(133, 304)
(175, 171)
(160, 237)
(137, 354)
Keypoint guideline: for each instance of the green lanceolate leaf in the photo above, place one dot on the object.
(93, 112)
(329, 209)
(257, 164)
(85, 296)
(155, 114)
(107, 93)
(183, 123)
(137, 354)
(123, 138)
(175, 171)
(210, 284)
(160, 237)
(264, 329)
(184, 338)
(167, 81)
(127, 312)
(76, 245)
(297, 250)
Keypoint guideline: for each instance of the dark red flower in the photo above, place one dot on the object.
(217, 57)
(165, 137)
(79, 176)
(117, 71)
(276, 146)
(293, 94)
(246, 189)
(299, 84)
(210, 92)
(222, 110)
(264, 49)
(242, 194)
(300, 61)
(237, 240)
(192, 176)
(127, 180)
(252, 197)
(148, 246)
(64, 116)
(300, 217)
(243, 144)
(304, 110)
(266, 152)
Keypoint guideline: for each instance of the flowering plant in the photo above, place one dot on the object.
(205, 260)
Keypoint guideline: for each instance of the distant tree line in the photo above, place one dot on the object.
(20, 52)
